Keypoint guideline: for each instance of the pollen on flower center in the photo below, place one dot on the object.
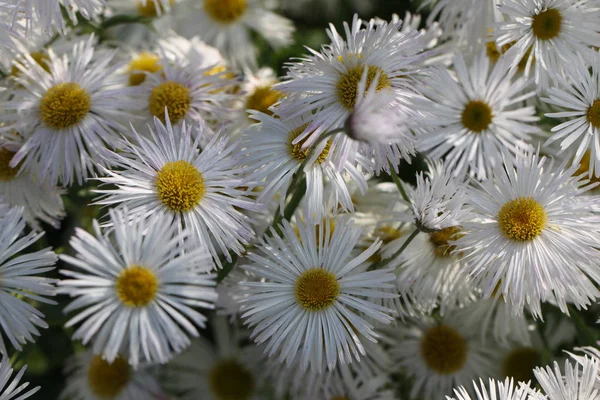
(136, 286)
(444, 349)
(593, 114)
(40, 58)
(172, 95)
(347, 85)
(522, 219)
(477, 116)
(441, 238)
(151, 9)
(180, 185)
(147, 62)
(64, 105)
(228, 380)
(547, 24)
(263, 98)
(296, 150)
(7, 173)
(519, 364)
(316, 289)
(225, 11)
(108, 380)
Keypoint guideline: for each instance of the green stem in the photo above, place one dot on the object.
(588, 334)
(397, 254)
(398, 183)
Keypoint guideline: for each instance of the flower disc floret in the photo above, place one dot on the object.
(180, 185)
(444, 349)
(151, 9)
(172, 95)
(225, 11)
(65, 105)
(547, 24)
(519, 364)
(262, 99)
(441, 238)
(298, 152)
(316, 289)
(7, 173)
(593, 114)
(522, 219)
(347, 85)
(108, 380)
(136, 286)
(229, 380)
(477, 116)
(147, 62)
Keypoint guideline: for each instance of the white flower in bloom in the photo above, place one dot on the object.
(9, 389)
(49, 13)
(67, 117)
(343, 383)
(472, 119)
(439, 200)
(136, 288)
(193, 51)
(552, 31)
(228, 25)
(40, 201)
(578, 97)
(328, 81)
(21, 281)
(533, 235)
(315, 287)
(224, 370)
(495, 390)
(90, 377)
(165, 177)
(271, 153)
(578, 382)
(439, 356)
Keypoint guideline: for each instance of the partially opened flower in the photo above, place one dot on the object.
(578, 381)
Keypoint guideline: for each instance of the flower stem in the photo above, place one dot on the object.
(398, 183)
(397, 254)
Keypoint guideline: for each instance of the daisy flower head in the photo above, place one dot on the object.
(495, 390)
(271, 153)
(21, 280)
(182, 51)
(439, 200)
(578, 381)
(439, 356)
(578, 99)
(66, 116)
(228, 26)
(8, 388)
(91, 377)
(142, 279)
(552, 31)
(164, 176)
(532, 235)
(49, 13)
(314, 286)
(334, 74)
(343, 383)
(472, 117)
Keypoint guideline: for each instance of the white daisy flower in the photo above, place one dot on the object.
(533, 235)
(315, 287)
(21, 280)
(271, 153)
(472, 119)
(67, 117)
(40, 200)
(342, 383)
(224, 370)
(228, 26)
(49, 13)
(553, 31)
(136, 288)
(182, 51)
(495, 390)
(165, 177)
(8, 388)
(578, 98)
(90, 377)
(439, 356)
(578, 381)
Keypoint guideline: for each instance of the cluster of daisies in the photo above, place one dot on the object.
(267, 237)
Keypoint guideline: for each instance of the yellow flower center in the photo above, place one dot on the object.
(593, 114)
(494, 54)
(584, 167)
(108, 380)
(263, 98)
(147, 62)
(225, 11)
(316, 289)
(441, 238)
(180, 185)
(522, 219)
(444, 349)
(172, 95)
(151, 10)
(136, 286)
(519, 364)
(296, 150)
(228, 380)
(347, 85)
(477, 116)
(547, 24)
(7, 173)
(40, 58)
(340, 398)
(65, 105)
